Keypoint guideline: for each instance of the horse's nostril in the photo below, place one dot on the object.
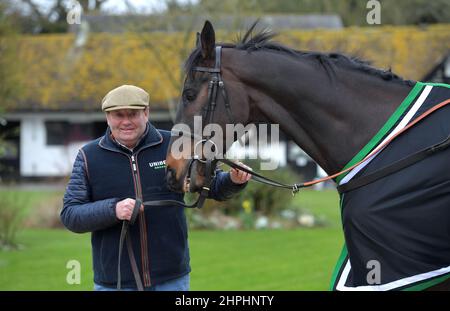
(171, 180)
(170, 174)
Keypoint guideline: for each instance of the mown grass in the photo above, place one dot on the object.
(297, 259)
(300, 259)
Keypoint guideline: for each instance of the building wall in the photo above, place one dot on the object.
(37, 158)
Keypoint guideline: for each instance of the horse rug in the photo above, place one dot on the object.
(397, 228)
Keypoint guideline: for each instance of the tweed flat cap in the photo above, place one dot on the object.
(125, 97)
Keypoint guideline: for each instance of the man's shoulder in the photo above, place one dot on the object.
(165, 136)
(164, 133)
(92, 144)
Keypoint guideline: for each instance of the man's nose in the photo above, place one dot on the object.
(127, 118)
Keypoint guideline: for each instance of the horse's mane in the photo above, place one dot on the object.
(262, 40)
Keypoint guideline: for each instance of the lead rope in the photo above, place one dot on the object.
(380, 147)
(124, 235)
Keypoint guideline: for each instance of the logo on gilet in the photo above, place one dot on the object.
(157, 165)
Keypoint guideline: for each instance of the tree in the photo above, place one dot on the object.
(352, 12)
(31, 18)
(9, 79)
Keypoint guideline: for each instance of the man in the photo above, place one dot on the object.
(108, 174)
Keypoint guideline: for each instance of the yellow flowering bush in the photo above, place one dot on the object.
(56, 73)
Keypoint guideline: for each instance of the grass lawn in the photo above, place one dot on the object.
(300, 259)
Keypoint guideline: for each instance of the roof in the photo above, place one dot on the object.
(56, 75)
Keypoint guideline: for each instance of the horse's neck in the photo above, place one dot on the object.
(331, 119)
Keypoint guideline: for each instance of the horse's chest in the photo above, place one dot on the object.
(402, 221)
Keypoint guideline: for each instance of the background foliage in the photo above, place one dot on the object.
(112, 59)
(352, 12)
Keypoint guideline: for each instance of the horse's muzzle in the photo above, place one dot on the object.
(172, 183)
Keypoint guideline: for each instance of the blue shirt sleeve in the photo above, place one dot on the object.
(223, 188)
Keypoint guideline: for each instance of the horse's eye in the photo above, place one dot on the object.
(189, 95)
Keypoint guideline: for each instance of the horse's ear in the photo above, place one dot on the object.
(197, 42)
(208, 41)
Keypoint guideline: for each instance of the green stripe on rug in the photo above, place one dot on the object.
(385, 129)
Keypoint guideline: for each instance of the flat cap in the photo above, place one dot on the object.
(125, 97)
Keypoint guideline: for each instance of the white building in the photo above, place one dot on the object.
(45, 144)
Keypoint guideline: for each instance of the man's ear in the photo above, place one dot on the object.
(208, 41)
(107, 118)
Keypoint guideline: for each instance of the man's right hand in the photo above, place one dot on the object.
(124, 209)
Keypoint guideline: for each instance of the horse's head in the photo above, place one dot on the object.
(212, 97)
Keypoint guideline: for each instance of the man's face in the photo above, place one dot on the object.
(127, 125)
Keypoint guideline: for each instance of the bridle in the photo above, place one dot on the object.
(216, 86)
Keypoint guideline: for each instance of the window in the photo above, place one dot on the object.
(56, 132)
(79, 132)
(63, 133)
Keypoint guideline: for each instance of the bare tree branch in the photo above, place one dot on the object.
(35, 9)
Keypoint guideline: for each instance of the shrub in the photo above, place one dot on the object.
(13, 209)
(259, 198)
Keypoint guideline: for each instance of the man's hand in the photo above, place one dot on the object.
(124, 209)
(238, 176)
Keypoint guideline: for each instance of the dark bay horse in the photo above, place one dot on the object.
(331, 105)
